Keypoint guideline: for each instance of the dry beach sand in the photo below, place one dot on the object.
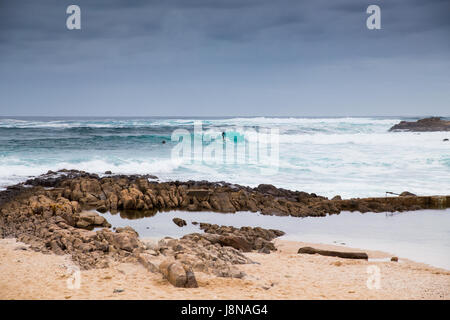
(25, 274)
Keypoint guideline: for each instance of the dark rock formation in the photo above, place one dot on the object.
(244, 238)
(179, 222)
(340, 254)
(407, 194)
(422, 125)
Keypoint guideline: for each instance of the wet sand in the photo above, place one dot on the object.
(25, 274)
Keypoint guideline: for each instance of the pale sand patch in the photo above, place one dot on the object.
(281, 275)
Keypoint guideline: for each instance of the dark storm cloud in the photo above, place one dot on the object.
(155, 46)
(227, 20)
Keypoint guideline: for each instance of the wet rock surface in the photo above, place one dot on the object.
(423, 125)
(138, 193)
(179, 222)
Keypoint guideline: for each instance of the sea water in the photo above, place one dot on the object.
(352, 157)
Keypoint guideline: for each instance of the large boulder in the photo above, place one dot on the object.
(237, 242)
(88, 219)
(178, 275)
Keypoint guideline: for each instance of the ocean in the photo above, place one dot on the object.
(350, 156)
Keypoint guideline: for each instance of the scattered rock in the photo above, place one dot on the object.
(179, 222)
(340, 254)
(395, 259)
(118, 290)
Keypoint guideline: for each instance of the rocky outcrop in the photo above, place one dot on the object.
(90, 219)
(422, 125)
(245, 238)
(112, 193)
(201, 252)
(217, 251)
(138, 194)
(54, 213)
(329, 253)
(48, 222)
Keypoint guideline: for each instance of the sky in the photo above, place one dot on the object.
(224, 58)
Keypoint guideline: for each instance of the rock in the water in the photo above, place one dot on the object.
(340, 254)
(407, 194)
(179, 222)
(423, 125)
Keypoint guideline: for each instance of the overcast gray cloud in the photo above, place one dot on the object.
(224, 57)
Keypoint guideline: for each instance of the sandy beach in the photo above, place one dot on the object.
(25, 274)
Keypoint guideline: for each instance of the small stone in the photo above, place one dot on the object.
(395, 259)
(179, 222)
(118, 290)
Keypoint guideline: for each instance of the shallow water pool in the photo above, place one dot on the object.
(422, 236)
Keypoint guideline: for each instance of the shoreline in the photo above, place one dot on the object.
(284, 274)
(60, 219)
